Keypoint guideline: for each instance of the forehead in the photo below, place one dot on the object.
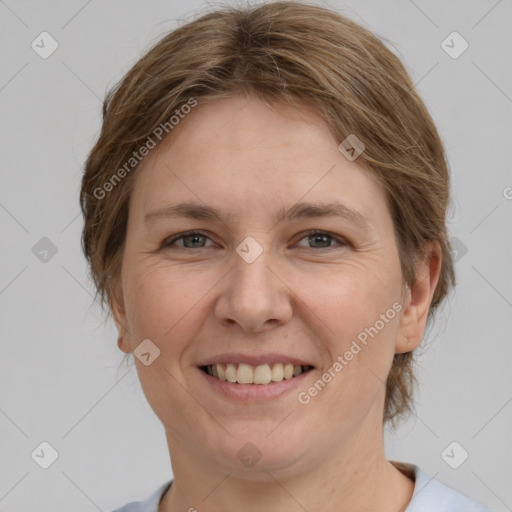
(239, 153)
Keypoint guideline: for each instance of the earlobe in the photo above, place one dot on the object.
(419, 298)
(124, 345)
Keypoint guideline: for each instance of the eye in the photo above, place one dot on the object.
(322, 240)
(191, 240)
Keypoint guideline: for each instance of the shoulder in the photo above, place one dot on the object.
(431, 495)
(150, 504)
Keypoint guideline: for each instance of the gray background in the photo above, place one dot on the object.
(60, 374)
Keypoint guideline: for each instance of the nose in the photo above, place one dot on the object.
(254, 296)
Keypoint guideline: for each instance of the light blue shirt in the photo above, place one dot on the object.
(429, 496)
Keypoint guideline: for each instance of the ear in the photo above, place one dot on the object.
(418, 298)
(120, 319)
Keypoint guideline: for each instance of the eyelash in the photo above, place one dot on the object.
(342, 242)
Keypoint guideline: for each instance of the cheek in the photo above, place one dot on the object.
(160, 305)
(352, 298)
(360, 312)
(358, 304)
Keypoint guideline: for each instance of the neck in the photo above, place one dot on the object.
(355, 477)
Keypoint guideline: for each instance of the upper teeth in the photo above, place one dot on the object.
(247, 374)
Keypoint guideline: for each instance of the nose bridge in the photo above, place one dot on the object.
(254, 295)
(251, 270)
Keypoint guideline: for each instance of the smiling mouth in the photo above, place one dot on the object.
(241, 373)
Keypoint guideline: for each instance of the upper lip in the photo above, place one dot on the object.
(254, 360)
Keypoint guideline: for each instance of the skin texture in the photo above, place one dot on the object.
(302, 296)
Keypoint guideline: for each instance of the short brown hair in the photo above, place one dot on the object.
(300, 54)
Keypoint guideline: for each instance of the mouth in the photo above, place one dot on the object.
(263, 374)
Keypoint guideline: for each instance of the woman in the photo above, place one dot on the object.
(265, 219)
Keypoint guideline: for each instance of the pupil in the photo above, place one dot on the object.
(193, 237)
(316, 237)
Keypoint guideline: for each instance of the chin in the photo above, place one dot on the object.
(252, 454)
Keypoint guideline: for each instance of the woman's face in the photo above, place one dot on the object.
(255, 286)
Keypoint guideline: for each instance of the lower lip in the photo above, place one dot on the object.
(255, 392)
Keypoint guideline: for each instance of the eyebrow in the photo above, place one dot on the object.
(298, 211)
